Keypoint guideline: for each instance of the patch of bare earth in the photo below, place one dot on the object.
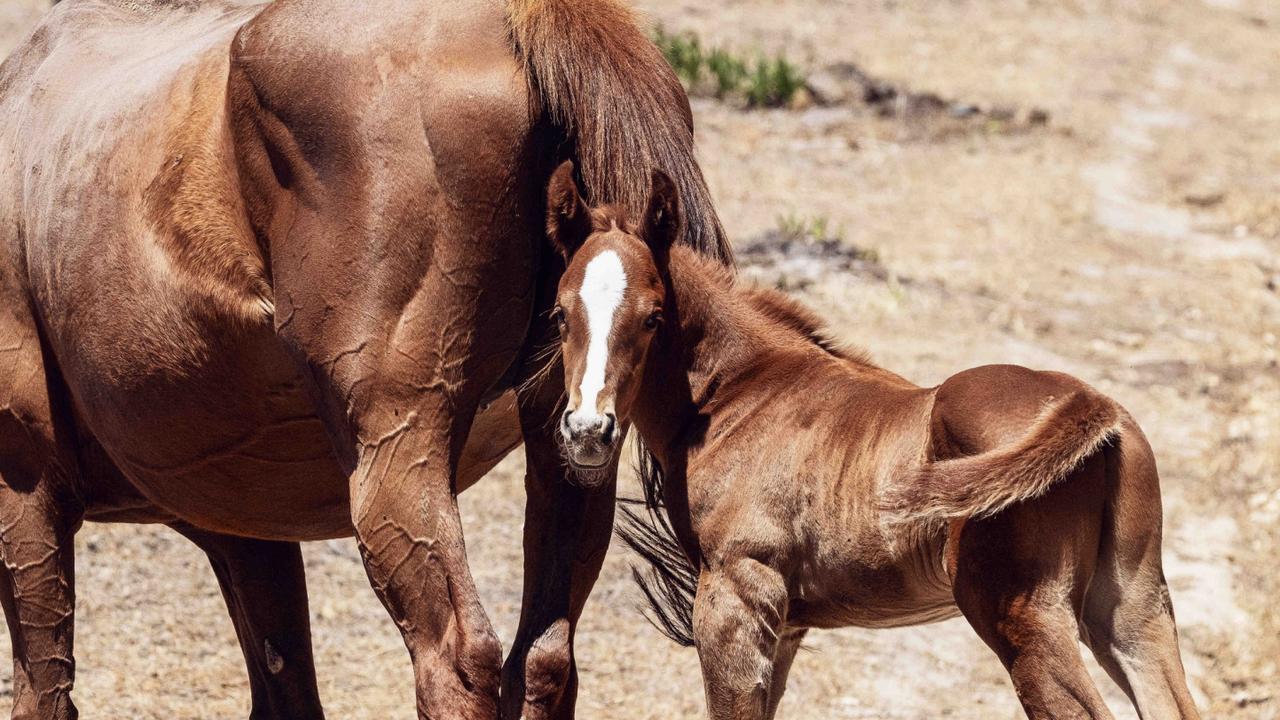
(1133, 239)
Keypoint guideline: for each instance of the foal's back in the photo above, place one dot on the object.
(844, 436)
(824, 431)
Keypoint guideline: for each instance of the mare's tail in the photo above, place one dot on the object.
(670, 581)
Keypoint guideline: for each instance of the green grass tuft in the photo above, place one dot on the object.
(730, 73)
(773, 83)
(793, 226)
(718, 72)
(683, 52)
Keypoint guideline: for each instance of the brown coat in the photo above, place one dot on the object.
(273, 272)
(794, 485)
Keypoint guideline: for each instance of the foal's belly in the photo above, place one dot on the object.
(878, 610)
(888, 587)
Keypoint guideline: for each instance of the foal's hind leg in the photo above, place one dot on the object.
(1020, 579)
(1128, 617)
(40, 511)
(266, 594)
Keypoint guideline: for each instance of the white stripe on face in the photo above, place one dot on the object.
(602, 288)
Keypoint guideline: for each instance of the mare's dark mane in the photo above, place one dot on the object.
(584, 57)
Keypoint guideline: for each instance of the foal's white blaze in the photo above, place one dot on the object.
(602, 288)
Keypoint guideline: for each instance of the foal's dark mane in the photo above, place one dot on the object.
(670, 581)
(791, 313)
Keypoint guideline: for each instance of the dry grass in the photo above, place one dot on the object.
(1130, 242)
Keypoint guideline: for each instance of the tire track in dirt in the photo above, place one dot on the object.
(1197, 554)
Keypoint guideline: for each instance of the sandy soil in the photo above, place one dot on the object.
(1134, 241)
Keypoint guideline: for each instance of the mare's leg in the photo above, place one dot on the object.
(738, 617)
(1020, 579)
(566, 534)
(1128, 617)
(402, 350)
(788, 645)
(410, 537)
(266, 593)
(40, 511)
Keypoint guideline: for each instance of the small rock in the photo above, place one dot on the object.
(827, 89)
(1204, 197)
(923, 104)
(801, 100)
(1002, 113)
(1239, 430)
(837, 83)
(1038, 116)
(878, 93)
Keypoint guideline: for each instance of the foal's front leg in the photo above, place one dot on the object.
(738, 617)
(788, 646)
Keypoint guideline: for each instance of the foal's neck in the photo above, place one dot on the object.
(711, 354)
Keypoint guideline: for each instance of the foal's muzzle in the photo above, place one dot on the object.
(589, 438)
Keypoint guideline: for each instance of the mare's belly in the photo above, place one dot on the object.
(235, 445)
(227, 439)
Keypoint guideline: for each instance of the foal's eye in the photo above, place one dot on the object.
(653, 321)
(557, 315)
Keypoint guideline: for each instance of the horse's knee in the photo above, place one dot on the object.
(52, 705)
(548, 665)
(717, 619)
(42, 686)
(457, 675)
(479, 657)
(743, 598)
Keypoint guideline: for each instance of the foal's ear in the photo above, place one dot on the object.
(663, 219)
(568, 219)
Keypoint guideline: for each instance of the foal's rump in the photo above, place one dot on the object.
(1002, 435)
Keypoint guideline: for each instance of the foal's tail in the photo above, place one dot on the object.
(1066, 433)
(619, 103)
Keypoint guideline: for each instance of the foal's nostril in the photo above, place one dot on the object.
(607, 427)
(564, 422)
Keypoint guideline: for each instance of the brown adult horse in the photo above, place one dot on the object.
(808, 488)
(270, 272)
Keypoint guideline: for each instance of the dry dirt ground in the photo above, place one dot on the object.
(1134, 240)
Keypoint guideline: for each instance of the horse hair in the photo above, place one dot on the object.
(609, 89)
(671, 581)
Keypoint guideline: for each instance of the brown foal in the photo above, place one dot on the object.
(807, 488)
